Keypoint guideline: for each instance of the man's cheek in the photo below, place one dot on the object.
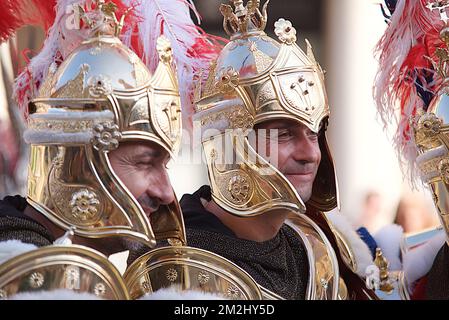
(135, 184)
(293, 180)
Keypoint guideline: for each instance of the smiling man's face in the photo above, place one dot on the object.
(298, 155)
(142, 168)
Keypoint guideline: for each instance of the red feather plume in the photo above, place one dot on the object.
(17, 13)
(411, 38)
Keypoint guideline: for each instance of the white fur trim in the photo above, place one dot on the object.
(210, 129)
(388, 239)
(51, 136)
(428, 155)
(431, 154)
(418, 261)
(59, 294)
(119, 260)
(175, 294)
(55, 114)
(362, 254)
(213, 129)
(217, 107)
(42, 137)
(221, 129)
(11, 248)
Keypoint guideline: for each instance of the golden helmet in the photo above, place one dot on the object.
(100, 96)
(255, 79)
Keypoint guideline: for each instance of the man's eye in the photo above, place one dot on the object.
(284, 134)
(144, 163)
(279, 135)
(313, 135)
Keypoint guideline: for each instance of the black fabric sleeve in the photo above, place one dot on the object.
(15, 225)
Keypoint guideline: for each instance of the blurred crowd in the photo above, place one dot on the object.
(413, 213)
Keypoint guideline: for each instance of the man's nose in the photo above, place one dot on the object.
(162, 188)
(306, 149)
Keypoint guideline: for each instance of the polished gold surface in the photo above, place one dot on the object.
(76, 268)
(382, 263)
(403, 286)
(186, 268)
(431, 132)
(324, 281)
(101, 96)
(345, 249)
(258, 79)
(240, 189)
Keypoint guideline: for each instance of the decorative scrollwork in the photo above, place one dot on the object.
(146, 286)
(72, 277)
(100, 289)
(241, 119)
(172, 275)
(203, 277)
(443, 167)
(84, 204)
(429, 125)
(36, 280)
(99, 86)
(106, 136)
(228, 80)
(239, 187)
(233, 292)
(285, 31)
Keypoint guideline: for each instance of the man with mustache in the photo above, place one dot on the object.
(269, 216)
(100, 141)
(141, 167)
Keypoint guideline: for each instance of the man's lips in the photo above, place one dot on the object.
(302, 176)
(299, 173)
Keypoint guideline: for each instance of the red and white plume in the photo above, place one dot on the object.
(405, 73)
(61, 39)
(193, 49)
(17, 13)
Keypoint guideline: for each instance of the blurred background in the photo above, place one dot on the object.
(343, 33)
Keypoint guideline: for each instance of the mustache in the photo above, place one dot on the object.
(148, 203)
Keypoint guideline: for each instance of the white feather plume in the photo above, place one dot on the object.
(193, 49)
(58, 44)
(409, 23)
